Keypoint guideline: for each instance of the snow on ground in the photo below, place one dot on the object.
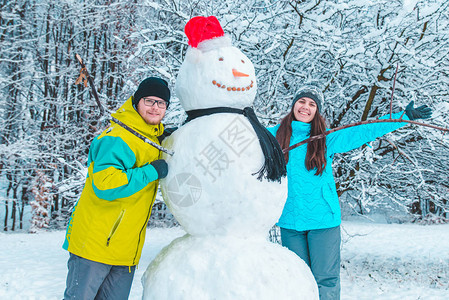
(395, 261)
(379, 261)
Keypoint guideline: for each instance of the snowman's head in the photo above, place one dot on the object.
(214, 73)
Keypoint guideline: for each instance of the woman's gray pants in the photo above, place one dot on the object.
(320, 249)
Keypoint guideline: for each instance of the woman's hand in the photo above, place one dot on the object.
(422, 112)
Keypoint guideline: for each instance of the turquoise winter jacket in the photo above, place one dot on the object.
(312, 201)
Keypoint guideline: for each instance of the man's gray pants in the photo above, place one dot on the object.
(320, 249)
(88, 279)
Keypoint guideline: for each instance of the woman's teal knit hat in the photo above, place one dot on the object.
(312, 92)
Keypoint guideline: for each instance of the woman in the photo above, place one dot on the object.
(310, 221)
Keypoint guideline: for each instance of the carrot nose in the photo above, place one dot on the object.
(238, 73)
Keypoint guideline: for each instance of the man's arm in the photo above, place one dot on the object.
(113, 173)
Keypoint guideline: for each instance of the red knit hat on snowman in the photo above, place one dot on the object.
(206, 33)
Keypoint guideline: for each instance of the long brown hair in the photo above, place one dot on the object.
(316, 150)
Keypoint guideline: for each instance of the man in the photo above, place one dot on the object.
(107, 228)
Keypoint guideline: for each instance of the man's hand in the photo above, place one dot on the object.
(422, 112)
(161, 168)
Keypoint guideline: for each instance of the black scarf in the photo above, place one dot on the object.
(274, 167)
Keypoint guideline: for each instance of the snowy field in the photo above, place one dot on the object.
(379, 261)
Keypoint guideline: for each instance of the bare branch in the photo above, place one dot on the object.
(392, 92)
(91, 83)
(323, 135)
(400, 151)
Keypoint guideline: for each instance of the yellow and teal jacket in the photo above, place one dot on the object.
(109, 221)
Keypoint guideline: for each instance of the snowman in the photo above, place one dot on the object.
(226, 186)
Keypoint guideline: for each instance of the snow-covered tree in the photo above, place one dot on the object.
(41, 205)
(350, 48)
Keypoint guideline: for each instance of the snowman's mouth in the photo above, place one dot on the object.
(233, 88)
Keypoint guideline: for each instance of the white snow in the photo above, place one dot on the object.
(210, 188)
(409, 5)
(380, 261)
(395, 261)
(228, 267)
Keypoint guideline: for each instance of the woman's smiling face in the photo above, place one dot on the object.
(305, 110)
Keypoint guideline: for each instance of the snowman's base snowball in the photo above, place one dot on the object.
(226, 267)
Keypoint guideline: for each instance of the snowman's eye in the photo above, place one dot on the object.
(221, 59)
(243, 61)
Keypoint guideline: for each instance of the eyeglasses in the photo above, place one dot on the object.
(150, 102)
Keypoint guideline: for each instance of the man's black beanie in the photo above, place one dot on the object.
(152, 86)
